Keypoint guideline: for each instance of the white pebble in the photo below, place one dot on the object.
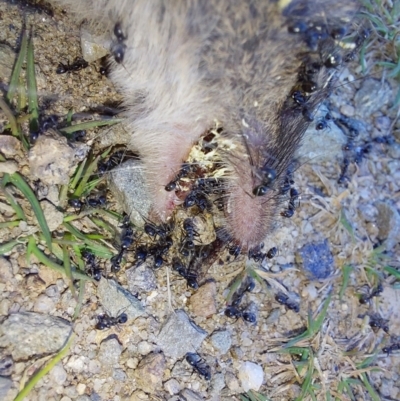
(251, 376)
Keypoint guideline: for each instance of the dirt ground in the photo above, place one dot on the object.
(347, 222)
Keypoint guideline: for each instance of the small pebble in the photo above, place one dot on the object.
(251, 376)
(172, 386)
(203, 301)
(109, 352)
(149, 372)
(221, 340)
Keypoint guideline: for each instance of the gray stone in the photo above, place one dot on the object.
(372, 95)
(217, 384)
(5, 387)
(52, 291)
(110, 352)
(150, 372)
(53, 160)
(9, 146)
(119, 375)
(141, 278)
(388, 223)
(221, 340)
(43, 304)
(127, 183)
(29, 334)
(179, 335)
(53, 216)
(7, 60)
(6, 272)
(323, 144)
(93, 47)
(190, 395)
(172, 386)
(58, 374)
(116, 300)
(84, 397)
(9, 167)
(317, 260)
(6, 365)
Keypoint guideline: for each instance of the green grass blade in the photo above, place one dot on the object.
(22, 97)
(80, 299)
(78, 175)
(88, 173)
(33, 105)
(8, 246)
(10, 224)
(14, 81)
(52, 265)
(346, 269)
(46, 369)
(14, 204)
(97, 249)
(305, 387)
(67, 267)
(374, 395)
(392, 271)
(317, 323)
(21, 184)
(10, 117)
(89, 124)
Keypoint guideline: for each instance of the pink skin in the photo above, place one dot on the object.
(249, 218)
(162, 161)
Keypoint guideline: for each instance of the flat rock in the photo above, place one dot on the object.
(53, 216)
(110, 352)
(9, 167)
(317, 260)
(179, 335)
(221, 340)
(9, 145)
(325, 144)
(128, 185)
(190, 395)
(388, 223)
(141, 278)
(149, 372)
(372, 95)
(53, 160)
(115, 299)
(93, 47)
(203, 302)
(29, 334)
(5, 387)
(7, 60)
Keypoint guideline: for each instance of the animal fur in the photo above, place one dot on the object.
(190, 62)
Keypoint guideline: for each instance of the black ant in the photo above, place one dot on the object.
(118, 48)
(116, 261)
(141, 254)
(268, 179)
(294, 195)
(285, 300)
(198, 363)
(235, 313)
(105, 321)
(248, 286)
(323, 124)
(391, 348)
(371, 293)
(234, 250)
(78, 64)
(96, 201)
(91, 265)
(258, 256)
(377, 322)
(183, 271)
